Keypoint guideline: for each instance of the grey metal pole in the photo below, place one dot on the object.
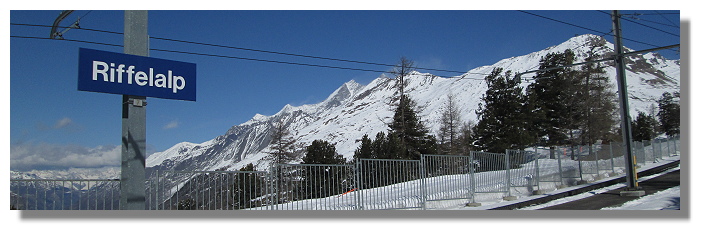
(508, 175)
(134, 115)
(632, 184)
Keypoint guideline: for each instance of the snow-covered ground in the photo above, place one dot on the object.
(665, 200)
(669, 199)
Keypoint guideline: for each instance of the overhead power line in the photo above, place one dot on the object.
(664, 17)
(657, 29)
(223, 56)
(259, 50)
(589, 29)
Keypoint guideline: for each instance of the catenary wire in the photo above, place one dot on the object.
(664, 17)
(653, 22)
(222, 56)
(593, 30)
(257, 50)
(628, 20)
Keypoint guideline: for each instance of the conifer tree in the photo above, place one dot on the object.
(597, 99)
(643, 127)
(466, 138)
(322, 152)
(669, 114)
(284, 148)
(554, 97)
(413, 136)
(504, 123)
(324, 180)
(449, 132)
(380, 147)
(365, 150)
(246, 186)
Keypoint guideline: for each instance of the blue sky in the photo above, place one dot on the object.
(46, 108)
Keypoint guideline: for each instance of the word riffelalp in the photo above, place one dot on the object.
(129, 74)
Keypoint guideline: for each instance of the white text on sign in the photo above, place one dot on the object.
(140, 78)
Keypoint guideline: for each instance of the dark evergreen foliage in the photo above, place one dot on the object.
(246, 188)
(503, 116)
(412, 136)
(325, 179)
(554, 97)
(322, 152)
(669, 114)
(644, 127)
(596, 100)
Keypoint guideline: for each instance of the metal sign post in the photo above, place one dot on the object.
(135, 76)
(134, 117)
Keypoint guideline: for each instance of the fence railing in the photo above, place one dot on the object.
(433, 182)
(68, 194)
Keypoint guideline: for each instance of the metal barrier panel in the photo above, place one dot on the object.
(569, 166)
(316, 187)
(491, 175)
(70, 194)
(548, 169)
(605, 159)
(390, 184)
(618, 156)
(521, 172)
(213, 190)
(648, 151)
(448, 178)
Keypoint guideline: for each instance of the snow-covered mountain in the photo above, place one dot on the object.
(355, 109)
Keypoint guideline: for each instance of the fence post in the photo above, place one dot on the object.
(538, 171)
(423, 181)
(472, 179)
(676, 141)
(612, 160)
(668, 147)
(507, 164)
(580, 164)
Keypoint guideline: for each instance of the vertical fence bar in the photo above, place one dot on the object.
(423, 182)
(507, 168)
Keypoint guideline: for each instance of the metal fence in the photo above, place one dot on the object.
(433, 182)
(68, 194)
(210, 190)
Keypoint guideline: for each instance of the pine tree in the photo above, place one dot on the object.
(246, 186)
(449, 132)
(504, 122)
(669, 114)
(324, 180)
(283, 145)
(412, 134)
(322, 152)
(597, 100)
(643, 127)
(380, 147)
(465, 140)
(555, 97)
(365, 150)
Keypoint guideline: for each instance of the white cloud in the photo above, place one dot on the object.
(49, 156)
(62, 123)
(171, 125)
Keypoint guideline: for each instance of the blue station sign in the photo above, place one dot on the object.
(117, 73)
